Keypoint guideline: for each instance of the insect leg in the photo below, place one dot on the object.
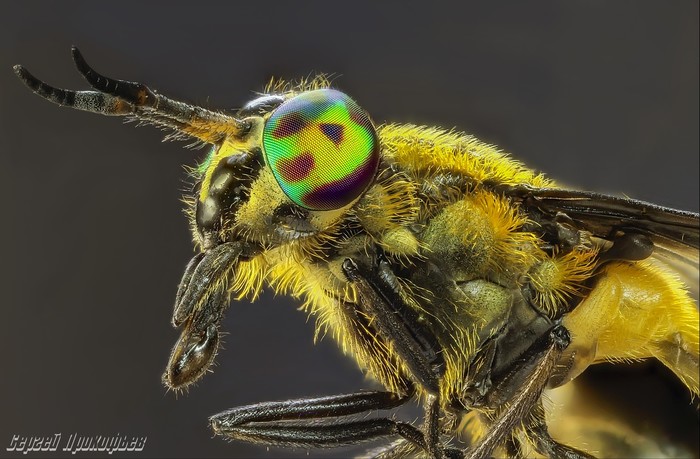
(395, 320)
(520, 406)
(431, 427)
(513, 448)
(403, 448)
(121, 98)
(399, 449)
(282, 423)
(545, 444)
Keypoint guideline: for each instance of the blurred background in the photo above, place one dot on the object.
(599, 95)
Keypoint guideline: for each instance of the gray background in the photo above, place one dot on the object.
(600, 95)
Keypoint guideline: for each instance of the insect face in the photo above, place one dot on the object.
(301, 165)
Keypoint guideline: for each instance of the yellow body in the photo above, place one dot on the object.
(635, 310)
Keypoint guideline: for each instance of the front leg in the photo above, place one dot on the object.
(316, 422)
(396, 321)
(324, 422)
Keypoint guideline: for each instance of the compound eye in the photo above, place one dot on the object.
(322, 149)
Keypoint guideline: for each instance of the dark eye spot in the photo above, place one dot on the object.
(288, 125)
(333, 131)
(297, 168)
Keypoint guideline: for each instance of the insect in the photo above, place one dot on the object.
(451, 273)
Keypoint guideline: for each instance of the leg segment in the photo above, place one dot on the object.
(432, 430)
(546, 445)
(431, 425)
(548, 352)
(399, 449)
(316, 422)
(397, 321)
(321, 422)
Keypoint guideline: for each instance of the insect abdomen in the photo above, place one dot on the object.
(635, 311)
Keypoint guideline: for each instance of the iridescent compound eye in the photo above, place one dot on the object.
(322, 149)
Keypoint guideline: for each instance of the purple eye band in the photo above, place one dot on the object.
(333, 195)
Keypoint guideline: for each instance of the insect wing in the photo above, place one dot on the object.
(675, 233)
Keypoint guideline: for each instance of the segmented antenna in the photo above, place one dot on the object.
(127, 98)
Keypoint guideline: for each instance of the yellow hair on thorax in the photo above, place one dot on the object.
(489, 228)
(385, 211)
(429, 150)
(558, 278)
(513, 249)
(324, 296)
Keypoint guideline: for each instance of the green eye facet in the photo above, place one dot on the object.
(322, 149)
